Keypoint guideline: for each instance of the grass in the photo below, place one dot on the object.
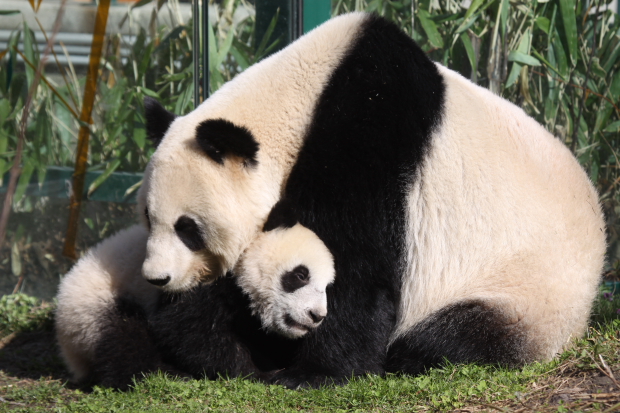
(32, 378)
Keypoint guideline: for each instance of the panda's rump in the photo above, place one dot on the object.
(509, 218)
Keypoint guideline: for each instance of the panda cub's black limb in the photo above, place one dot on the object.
(242, 325)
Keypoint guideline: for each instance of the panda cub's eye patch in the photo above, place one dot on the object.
(187, 230)
(295, 279)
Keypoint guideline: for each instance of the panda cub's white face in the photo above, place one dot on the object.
(285, 272)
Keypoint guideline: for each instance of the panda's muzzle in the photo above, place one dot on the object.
(160, 282)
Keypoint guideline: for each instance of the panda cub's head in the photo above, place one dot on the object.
(285, 271)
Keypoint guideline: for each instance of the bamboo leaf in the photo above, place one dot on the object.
(475, 4)
(548, 64)
(101, 178)
(239, 56)
(526, 59)
(225, 47)
(613, 57)
(9, 12)
(16, 262)
(560, 57)
(596, 68)
(543, 24)
(613, 127)
(24, 180)
(430, 28)
(263, 43)
(29, 51)
(469, 49)
(567, 8)
(505, 7)
(212, 49)
(514, 74)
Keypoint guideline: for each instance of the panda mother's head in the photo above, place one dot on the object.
(204, 197)
(219, 170)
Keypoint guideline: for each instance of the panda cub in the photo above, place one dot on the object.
(112, 325)
(282, 277)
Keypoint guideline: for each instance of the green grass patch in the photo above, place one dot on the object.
(577, 381)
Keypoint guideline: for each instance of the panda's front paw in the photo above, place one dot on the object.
(295, 379)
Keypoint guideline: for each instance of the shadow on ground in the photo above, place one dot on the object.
(31, 355)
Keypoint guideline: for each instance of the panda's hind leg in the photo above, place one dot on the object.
(464, 332)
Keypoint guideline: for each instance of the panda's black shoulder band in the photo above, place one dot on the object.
(282, 215)
(220, 138)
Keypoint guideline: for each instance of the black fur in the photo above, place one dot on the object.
(158, 120)
(187, 230)
(220, 138)
(126, 348)
(470, 331)
(282, 215)
(209, 331)
(371, 128)
(295, 279)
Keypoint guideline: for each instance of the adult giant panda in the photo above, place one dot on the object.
(460, 228)
(112, 325)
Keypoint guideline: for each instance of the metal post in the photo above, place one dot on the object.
(205, 49)
(196, 49)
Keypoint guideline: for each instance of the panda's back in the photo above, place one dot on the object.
(508, 215)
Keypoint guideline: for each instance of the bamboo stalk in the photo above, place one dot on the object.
(90, 88)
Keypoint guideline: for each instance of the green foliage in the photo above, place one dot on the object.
(607, 306)
(20, 312)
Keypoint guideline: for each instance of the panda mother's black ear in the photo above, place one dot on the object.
(158, 120)
(220, 138)
(282, 215)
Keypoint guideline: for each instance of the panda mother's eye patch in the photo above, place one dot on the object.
(187, 230)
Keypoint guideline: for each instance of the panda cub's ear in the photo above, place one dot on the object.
(282, 215)
(158, 120)
(220, 138)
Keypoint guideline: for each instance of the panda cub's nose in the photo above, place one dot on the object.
(160, 282)
(316, 317)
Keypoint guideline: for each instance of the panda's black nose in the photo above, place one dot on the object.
(160, 282)
(317, 318)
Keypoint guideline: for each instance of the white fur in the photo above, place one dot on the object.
(509, 217)
(109, 270)
(274, 99)
(260, 270)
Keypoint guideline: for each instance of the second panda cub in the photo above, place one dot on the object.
(241, 325)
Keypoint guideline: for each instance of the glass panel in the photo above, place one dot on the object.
(147, 52)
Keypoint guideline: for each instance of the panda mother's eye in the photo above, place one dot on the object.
(295, 279)
(189, 233)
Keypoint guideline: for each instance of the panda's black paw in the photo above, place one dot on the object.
(295, 379)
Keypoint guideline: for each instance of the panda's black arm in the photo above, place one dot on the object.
(209, 332)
